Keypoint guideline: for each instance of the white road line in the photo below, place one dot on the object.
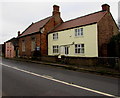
(51, 78)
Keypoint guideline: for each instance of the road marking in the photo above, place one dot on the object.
(51, 78)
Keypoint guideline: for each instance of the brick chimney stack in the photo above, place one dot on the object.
(56, 10)
(18, 33)
(105, 7)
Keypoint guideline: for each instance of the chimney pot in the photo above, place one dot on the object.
(55, 10)
(105, 7)
(18, 33)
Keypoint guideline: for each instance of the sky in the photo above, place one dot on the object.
(17, 15)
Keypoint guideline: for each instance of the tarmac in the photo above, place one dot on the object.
(74, 68)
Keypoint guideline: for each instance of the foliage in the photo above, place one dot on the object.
(114, 46)
(36, 55)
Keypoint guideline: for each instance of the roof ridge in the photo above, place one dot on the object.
(43, 19)
(84, 16)
(27, 28)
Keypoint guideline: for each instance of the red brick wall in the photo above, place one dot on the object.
(41, 39)
(28, 52)
(10, 52)
(48, 27)
(106, 29)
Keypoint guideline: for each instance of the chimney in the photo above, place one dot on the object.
(18, 33)
(56, 10)
(105, 7)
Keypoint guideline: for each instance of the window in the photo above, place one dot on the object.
(23, 45)
(55, 49)
(66, 50)
(79, 48)
(79, 32)
(33, 44)
(55, 36)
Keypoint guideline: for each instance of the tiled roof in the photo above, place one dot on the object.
(35, 27)
(84, 20)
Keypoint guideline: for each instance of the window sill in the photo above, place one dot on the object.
(79, 36)
(80, 54)
(55, 39)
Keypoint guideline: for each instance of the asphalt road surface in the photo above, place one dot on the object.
(30, 79)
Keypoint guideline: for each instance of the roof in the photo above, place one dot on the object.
(35, 27)
(81, 21)
(10, 39)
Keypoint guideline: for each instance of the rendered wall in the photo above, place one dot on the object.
(89, 39)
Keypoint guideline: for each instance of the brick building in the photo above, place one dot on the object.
(34, 38)
(39, 36)
(2, 50)
(11, 48)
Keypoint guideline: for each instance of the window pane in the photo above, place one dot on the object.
(82, 50)
(81, 31)
(75, 30)
(82, 45)
(75, 33)
(75, 46)
(79, 50)
(75, 50)
(79, 45)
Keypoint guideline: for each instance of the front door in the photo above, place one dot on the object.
(66, 50)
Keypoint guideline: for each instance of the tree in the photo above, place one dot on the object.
(114, 46)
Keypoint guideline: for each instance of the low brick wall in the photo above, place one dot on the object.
(49, 59)
(85, 61)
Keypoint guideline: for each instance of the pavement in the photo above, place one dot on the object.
(100, 71)
(21, 78)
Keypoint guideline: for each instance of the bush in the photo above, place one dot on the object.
(114, 46)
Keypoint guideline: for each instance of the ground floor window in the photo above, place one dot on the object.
(55, 49)
(23, 45)
(33, 44)
(79, 48)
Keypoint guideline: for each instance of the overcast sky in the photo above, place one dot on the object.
(17, 16)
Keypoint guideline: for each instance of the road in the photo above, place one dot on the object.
(31, 79)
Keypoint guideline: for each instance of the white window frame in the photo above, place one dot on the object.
(66, 48)
(23, 45)
(55, 36)
(55, 49)
(79, 48)
(78, 32)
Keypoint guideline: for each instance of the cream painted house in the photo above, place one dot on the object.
(85, 36)
(78, 42)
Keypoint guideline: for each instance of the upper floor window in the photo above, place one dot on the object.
(79, 32)
(55, 49)
(55, 36)
(79, 48)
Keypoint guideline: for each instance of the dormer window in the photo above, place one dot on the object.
(55, 36)
(79, 32)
